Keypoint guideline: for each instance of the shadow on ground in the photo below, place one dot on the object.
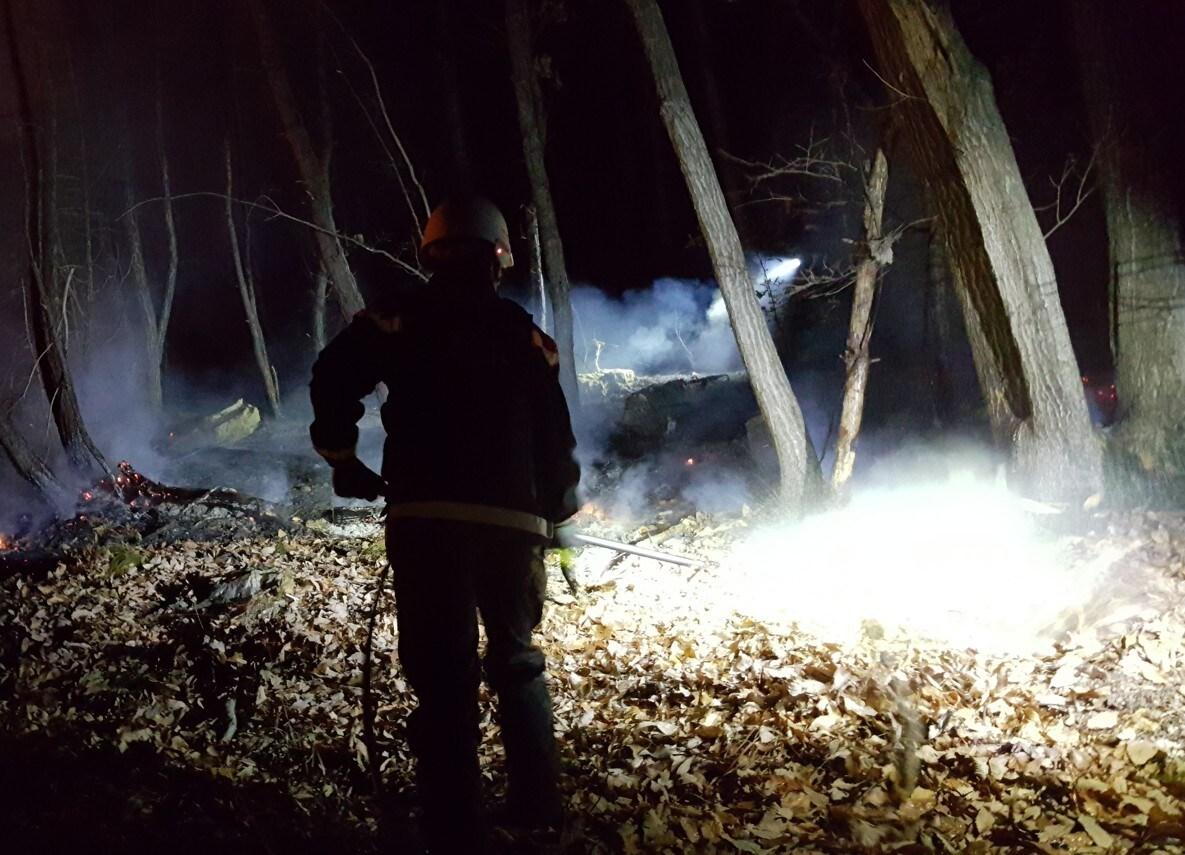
(103, 801)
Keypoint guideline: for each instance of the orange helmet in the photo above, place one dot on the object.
(473, 218)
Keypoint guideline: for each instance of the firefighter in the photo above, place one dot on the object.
(478, 470)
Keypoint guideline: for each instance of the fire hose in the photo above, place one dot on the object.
(641, 551)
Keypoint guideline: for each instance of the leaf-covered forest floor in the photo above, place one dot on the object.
(205, 695)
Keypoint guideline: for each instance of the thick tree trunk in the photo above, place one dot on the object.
(1146, 231)
(247, 293)
(531, 125)
(775, 398)
(314, 171)
(996, 249)
(42, 303)
(856, 354)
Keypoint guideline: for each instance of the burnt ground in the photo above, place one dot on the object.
(204, 694)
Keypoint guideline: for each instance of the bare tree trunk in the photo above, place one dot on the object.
(997, 252)
(320, 296)
(535, 264)
(153, 355)
(43, 305)
(775, 398)
(940, 332)
(161, 325)
(84, 180)
(531, 124)
(714, 116)
(314, 171)
(27, 464)
(856, 356)
(1146, 231)
(247, 292)
(166, 309)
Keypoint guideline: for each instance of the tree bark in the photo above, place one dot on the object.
(856, 354)
(535, 264)
(775, 398)
(715, 119)
(28, 465)
(156, 322)
(941, 334)
(314, 171)
(996, 249)
(153, 354)
(247, 293)
(531, 125)
(42, 303)
(166, 307)
(1146, 239)
(320, 296)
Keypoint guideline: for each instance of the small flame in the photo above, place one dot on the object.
(690, 461)
(5, 543)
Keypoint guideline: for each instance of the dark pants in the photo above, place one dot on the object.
(445, 574)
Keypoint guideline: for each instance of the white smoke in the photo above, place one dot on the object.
(675, 326)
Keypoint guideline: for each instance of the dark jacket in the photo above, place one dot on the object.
(474, 414)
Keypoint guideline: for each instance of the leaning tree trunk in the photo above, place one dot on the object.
(247, 293)
(715, 120)
(995, 246)
(1146, 231)
(27, 464)
(314, 170)
(42, 303)
(875, 252)
(775, 398)
(531, 125)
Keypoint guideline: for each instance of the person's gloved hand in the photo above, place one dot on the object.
(355, 480)
(564, 536)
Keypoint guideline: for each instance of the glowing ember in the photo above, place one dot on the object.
(5, 543)
(690, 461)
(130, 487)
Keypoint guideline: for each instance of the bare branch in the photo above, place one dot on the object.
(278, 212)
(382, 105)
(809, 163)
(903, 96)
(1085, 187)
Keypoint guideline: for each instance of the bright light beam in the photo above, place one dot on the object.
(782, 268)
(962, 564)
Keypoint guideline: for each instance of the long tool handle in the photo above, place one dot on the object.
(642, 551)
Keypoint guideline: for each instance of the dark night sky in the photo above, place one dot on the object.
(623, 209)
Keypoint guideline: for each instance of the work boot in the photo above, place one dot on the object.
(532, 758)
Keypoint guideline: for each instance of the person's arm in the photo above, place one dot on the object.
(555, 443)
(345, 372)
